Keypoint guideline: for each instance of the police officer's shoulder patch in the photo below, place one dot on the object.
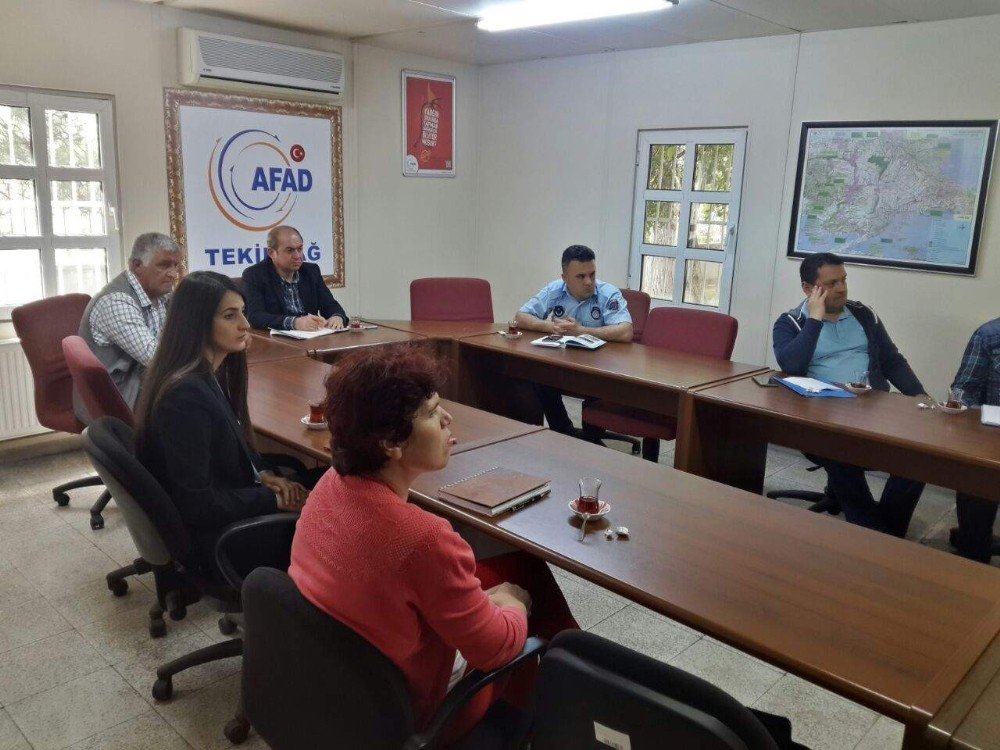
(558, 311)
(595, 313)
(613, 304)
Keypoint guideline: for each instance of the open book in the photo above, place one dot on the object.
(583, 341)
(494, 491)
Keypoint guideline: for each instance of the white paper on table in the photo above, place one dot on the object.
(812, 385)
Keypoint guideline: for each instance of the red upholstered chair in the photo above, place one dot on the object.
(638, 308)
(451, 299)
(678, 329)
(42, 326)
(100, 397)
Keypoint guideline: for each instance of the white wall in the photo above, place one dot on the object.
(557, 162)
(409, 227)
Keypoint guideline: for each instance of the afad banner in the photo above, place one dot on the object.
(246, 171)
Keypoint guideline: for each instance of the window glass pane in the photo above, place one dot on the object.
(73, 140)
(709, 227)
(658, 276)
(702, 282)
(20, 277)
(15, 136)
(662, 223)
(713, 167)
(18, 210)
(666, 167)
(77, 207)
(81, 269)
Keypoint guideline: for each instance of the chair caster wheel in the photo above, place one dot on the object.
(176, 607)
(163, 689)
(61, 498)
(237, 731)
(97, 522)
(118, 586)
(157, 629)
(227, 626)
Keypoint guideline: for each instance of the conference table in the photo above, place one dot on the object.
(267, 348)
(333, 346)
(279, 392)
(493, 369)
(885, 622)
(911, 632)
(725, 429)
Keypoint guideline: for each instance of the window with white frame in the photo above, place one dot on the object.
(58, 192)
(685, 215)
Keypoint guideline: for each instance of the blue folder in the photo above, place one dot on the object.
(815, 394)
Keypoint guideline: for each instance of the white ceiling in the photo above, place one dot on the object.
(446, 28)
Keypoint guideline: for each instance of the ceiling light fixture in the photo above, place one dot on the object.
(530, 13)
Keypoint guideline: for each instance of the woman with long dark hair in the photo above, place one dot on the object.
(193, 429)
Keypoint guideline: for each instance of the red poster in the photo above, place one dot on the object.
(428, 125)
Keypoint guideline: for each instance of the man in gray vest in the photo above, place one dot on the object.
(123, 321)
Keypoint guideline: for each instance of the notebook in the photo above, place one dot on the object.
(990, 415)
(583, 341)
(305, 335)
(813, 388)
(494, 491)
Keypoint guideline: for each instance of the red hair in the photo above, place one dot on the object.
(372, 397)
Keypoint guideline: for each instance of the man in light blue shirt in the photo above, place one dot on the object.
(841, 353)
(573, 304)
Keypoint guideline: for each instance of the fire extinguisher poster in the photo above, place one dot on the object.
(428, 124)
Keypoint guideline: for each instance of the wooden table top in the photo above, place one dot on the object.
(442, 329)
(306, 347)
(633, 363)
(267, 348)
(279, 393)
(888, 418)
(880, 620)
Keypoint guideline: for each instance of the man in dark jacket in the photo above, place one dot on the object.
(833, 339)
(285, 292)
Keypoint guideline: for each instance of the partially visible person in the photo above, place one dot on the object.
(122, 323)
(397, 574)
(834, 339)
(575, 303)
(979, 378)
(284, 292)
(193, 430)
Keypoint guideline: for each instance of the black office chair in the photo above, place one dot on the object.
(320, 684)
(822, 502)
(589, 686)
(163, 541)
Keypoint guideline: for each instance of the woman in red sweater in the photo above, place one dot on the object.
(398, 575)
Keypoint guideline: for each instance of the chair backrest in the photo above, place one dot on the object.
(93, 383)
(150, 514)
(309, 680)
(42, 326)
(264, 541)
(638, 307)
(691, 331)
(451, 299)
(585, 680)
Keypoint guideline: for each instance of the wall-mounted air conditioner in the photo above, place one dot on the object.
(214, 60)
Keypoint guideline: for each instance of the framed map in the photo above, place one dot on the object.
(900, 194)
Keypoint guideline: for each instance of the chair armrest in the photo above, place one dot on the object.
(466, 688)
(248, 528)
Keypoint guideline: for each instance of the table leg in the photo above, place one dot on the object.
(711, 443)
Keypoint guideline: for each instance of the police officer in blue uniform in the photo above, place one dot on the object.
(574, 304)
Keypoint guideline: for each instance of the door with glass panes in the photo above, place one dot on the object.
(685, 216)
(58, 192)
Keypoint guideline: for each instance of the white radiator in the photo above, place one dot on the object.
(17, 393)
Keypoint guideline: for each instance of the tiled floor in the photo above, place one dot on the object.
(77, 665)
